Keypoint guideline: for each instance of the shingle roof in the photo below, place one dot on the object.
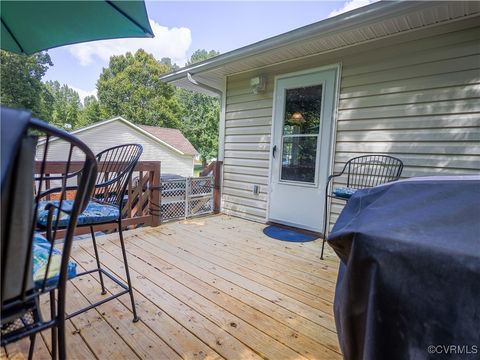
(172, 137)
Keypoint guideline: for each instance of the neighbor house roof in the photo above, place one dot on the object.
(174, 137)
(373, 22)
(171, 138)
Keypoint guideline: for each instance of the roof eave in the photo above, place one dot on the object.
(337, 23)
(130, 124)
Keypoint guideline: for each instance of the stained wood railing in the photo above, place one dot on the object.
(142, 205)
(215, 169)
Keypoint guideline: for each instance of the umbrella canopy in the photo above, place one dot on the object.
(32, 26)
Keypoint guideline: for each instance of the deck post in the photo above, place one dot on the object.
(154, 195)
(217, 198)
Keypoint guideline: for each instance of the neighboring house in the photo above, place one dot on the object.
(398, 78)
(159, 144)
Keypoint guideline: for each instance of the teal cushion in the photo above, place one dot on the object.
(344, 192)
(95, 213)
(41, 252)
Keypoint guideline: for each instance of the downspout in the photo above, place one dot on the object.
(221, 136)
(221, 128)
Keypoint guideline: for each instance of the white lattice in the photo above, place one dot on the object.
(188, 197)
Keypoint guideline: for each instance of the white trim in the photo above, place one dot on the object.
(128, 123)
(221, 136)
(360, 16)
(333, 136)
(307, 71)
(392, 11)
(222, 124)
(337, 67)
(270, 158)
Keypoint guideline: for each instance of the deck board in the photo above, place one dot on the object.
(208, 288)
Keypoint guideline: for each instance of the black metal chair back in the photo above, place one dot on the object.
(372, 170)
(21, 192)
(115, 167)
(362, 172)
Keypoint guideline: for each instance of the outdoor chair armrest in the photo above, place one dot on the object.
(60, 177)
(59, 190)
(56, 190)
(51, 208)
(329, 179)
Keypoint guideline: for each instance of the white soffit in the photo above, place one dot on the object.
(372, 22)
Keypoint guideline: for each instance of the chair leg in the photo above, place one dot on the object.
(325, 225)
(32, 346)
(53, 315)
(95, 249)
(60, 328)
(127, 272)
(62, 348)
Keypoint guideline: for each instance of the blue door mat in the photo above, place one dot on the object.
(284, 234)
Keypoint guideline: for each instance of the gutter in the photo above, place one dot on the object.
(204, 86)
(349, 19)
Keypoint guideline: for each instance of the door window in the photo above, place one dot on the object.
(301, 127)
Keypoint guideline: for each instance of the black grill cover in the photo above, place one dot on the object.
(410, 272)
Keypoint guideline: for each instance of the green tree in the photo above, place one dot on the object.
(168, 62)
(21, 81)
(200, 115)
(66, 106)
(130, 86)
(91, 112)
(201, 55)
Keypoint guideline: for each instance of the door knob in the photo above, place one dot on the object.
(274, 150)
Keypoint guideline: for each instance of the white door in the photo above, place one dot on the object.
(301, 148)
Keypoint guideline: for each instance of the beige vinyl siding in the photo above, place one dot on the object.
(115, 133)
(247, 150)
(418, 100)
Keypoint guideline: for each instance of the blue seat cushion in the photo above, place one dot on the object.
(344, 192)
(41, 252)
(95, 213)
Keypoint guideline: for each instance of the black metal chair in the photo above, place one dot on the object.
(33, 264)
(115, 168)
(361, 172)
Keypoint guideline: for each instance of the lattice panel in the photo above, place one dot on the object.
(173, 188)
(173, 211)
(199, 206)
(173, 199)
(183, 198)
(201, 185)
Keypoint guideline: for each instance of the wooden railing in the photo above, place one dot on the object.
(142, 206)
(215, 169)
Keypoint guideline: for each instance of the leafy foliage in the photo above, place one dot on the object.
(200, 115)
(21, 81)
(201, 55)
(130, 87)
(200, 122)
(91, 113)
(65, 107)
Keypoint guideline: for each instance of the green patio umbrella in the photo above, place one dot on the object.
(32, 26)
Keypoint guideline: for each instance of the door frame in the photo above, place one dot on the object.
(333, 126)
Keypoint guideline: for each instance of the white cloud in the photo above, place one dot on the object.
(84, 93)
(168, 42)
(350, 5)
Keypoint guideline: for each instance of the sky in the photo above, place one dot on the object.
(181, 27)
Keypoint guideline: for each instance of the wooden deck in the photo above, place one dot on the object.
(208, 288)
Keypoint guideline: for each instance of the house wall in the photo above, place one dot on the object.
(116, 133)
(415, 96)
